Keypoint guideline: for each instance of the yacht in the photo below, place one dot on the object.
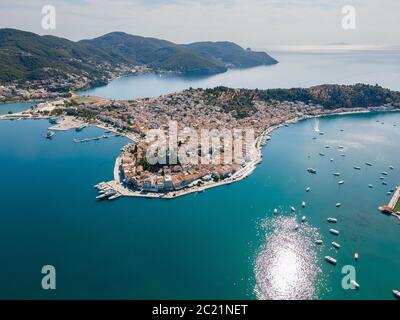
(396, 293)
(330, 260)
(332, 220)
(336, 245)
(318, 242)
(311, 170)
(115, 196)
(341, 182)
(334, 231)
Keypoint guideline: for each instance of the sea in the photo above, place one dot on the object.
(228, 242)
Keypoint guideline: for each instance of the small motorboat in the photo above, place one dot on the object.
(331, 160)
(396, 293)
(275, 211)
(357, 168)
(337, 174)
(303, 204)
(330, 260)
(308, 189)
(331, 220)
(341, 182)
(311, 170)
(354, 284)
(322, 154)
(303, 219)
(368, 164)
(334, 231)
(335, 245)
(391, 167)
(318, 242)
(370, 186)
(293, 209)
(384, 173)
(338, 205)
(356, 256)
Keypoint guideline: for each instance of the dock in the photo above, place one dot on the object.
(104, 136)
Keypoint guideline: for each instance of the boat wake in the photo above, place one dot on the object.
(316, 125)
(287, 266)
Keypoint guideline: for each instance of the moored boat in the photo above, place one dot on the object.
(335, 245)
(332, 220)
(330, 260)
(334, 231)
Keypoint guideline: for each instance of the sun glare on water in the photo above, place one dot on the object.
(287, 265)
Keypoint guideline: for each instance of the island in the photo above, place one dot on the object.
(210, 137)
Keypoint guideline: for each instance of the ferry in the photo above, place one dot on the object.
(332, 220)
(334, 231)
(396, 293)
(335, 245)
(341, 182)
(303, 219)
(303, 204)
(337, 174)
(49, 134)
(354, 284)
(338, 205)
(318, 242)
(357, 168)
(330, 260)
(311, 170)
(356, 256)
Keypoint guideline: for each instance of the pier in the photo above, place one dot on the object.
(104, 136)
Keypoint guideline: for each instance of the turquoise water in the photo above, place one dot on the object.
(216, 244)
(15, 107)
(294, 70)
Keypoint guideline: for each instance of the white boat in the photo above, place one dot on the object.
(382, 178)
(337, 174)
(332, 220)
(331, 160)
(336, 245)
(115, 196)
(354, 284)
(318, 242)
(293, 209)
(338, 205)
(396, 293)
(330, 260)
(370, 186)
(368, 164)
(296, 227)
(303, 204)
(357, 168)
(384, 173)
(391, 167)
(49, 134)
(275, 211)
(334, 231)
(308, 189)
(303, 219)
(356, 256)
(341, 182)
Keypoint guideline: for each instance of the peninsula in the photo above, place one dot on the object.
(219, 109)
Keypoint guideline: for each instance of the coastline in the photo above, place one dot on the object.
(71, 122)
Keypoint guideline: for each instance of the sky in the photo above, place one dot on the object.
(259, 24)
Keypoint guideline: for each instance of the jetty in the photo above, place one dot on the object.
(104, 136)
(393, 207)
